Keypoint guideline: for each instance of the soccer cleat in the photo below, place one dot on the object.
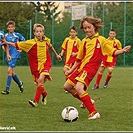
(33, 103)
(66, 92)
(44, 101)
(21, 87)
(105, 85)
(83, 106)
(5, 92)
(94, 115)
(95, 87)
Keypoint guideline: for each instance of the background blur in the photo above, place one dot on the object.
(57, 19)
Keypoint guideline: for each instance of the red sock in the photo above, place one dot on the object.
(39, 91)
(85, 98)
(98, 79)
(76, 95)
(108, 77)
(44, 93)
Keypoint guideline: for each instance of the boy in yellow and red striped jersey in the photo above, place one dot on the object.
(70, 48)
(87, 63)
(108, 61)
(39, 60)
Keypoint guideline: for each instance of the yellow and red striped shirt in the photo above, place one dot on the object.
(37, 51)
(92, 50)
(117, 45)
(70, 45)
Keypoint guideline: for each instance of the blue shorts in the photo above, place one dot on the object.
(12, 63)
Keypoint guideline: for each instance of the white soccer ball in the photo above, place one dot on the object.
(70, 114)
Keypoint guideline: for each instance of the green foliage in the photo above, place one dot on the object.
(112, 13)
(114, 105)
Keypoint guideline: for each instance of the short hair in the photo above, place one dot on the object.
(96, 22)
(73, 28)
(38, 25)
(113, 30)
(11, 22)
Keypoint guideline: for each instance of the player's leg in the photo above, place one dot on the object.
(99, 76)
(86, 100)
(8, 81)
(110, 70)
(64, 70)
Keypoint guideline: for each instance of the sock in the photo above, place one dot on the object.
(15, 78)
(85, 98)
(39, 91)
(8, 83)
(108, 77)
(76, 95)
(98, 79)
(44, 93)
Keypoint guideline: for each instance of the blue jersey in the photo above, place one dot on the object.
(1, 36)
(14, 37)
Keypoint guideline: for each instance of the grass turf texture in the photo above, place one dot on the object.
(114, 105)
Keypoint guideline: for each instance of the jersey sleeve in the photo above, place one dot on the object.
(119, 45)
(25, 46)
(63, 46)
(106, 48)
(21, 38)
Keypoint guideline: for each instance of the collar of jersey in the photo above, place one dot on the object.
(97, 34)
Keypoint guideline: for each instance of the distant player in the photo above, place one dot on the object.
(70, 47)
(108, 61)
(39, 60)
(12, 36)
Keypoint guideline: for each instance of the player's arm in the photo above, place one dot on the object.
(6, 43)
(76, 63)
(9, 58)
(62, 52)
(124, 50)
(57, 55)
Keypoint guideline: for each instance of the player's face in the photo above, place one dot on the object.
(39, 33)
(10, 28)
(72, 33)
(112, 34)
(88, 29)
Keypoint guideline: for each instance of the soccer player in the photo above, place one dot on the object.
(88, 60)
(70, 48)
(108, 61)
(39, 60)
(12, 36)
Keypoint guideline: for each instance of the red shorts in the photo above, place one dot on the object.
(70, 62)
(85, 76)
(45, 70)
(108, 64)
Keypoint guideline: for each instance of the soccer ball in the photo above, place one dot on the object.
(70, 114)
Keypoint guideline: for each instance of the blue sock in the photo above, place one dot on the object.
(15, 78)
(8, 83)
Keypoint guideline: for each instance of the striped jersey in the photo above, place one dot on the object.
(38, 52)
(1, 35)
(117, 45)
(70, 45)
(92, 50)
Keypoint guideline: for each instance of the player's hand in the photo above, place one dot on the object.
(73, 54)
(127, 48)
(9, 58)
(58, 57)
(4, 40)
(68, 72)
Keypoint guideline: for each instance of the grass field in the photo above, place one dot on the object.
(115, 104)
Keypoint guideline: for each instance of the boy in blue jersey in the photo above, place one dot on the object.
(12, 36)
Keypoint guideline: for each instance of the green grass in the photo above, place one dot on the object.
(115, 104)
